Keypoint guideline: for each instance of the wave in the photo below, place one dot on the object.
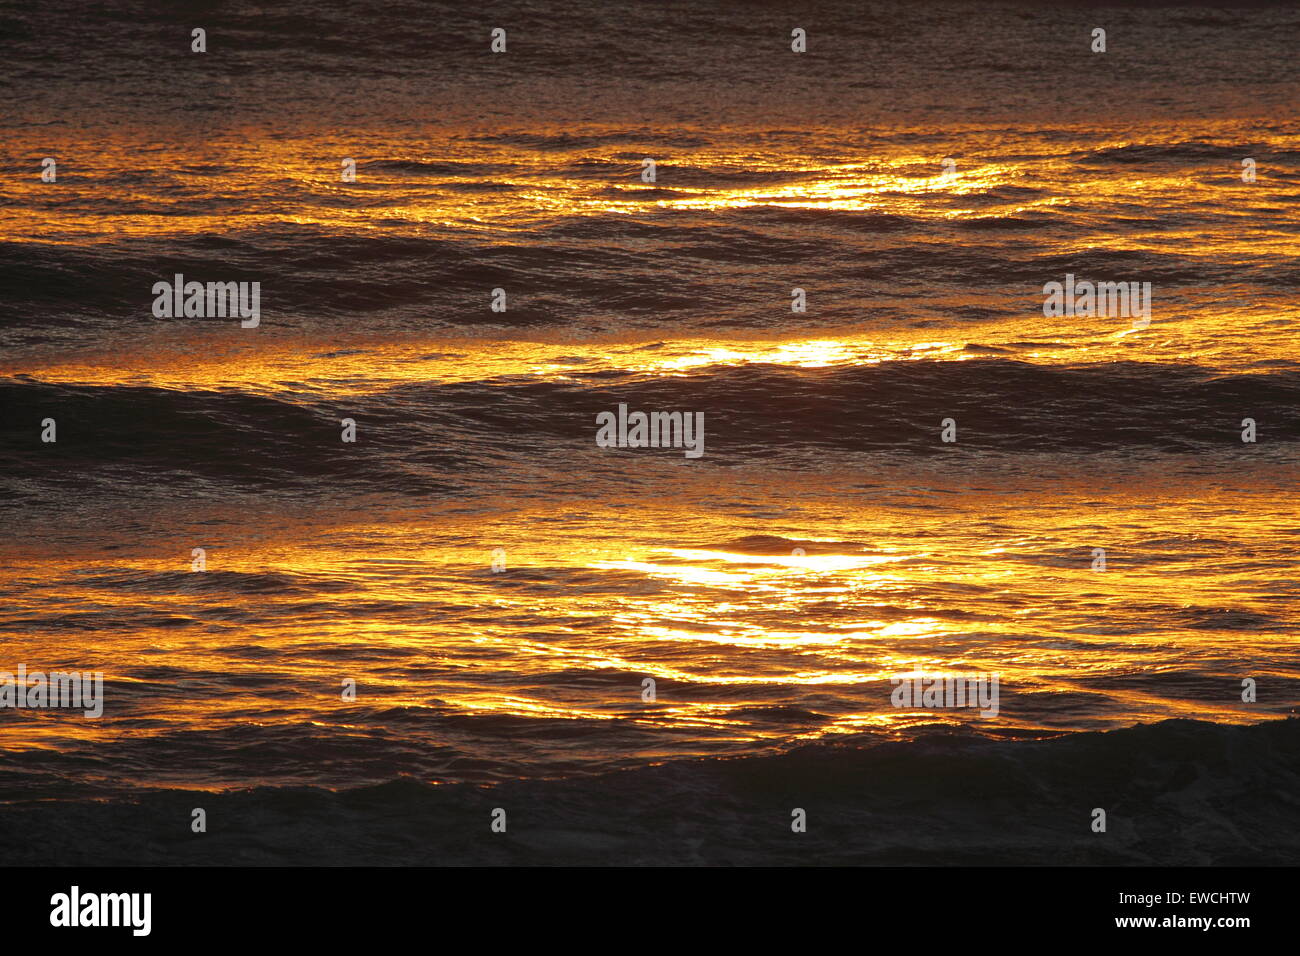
(568, 142)
(675, 268)
(420, 438)
(1185, 153)
(1180, 793)
(439, 168)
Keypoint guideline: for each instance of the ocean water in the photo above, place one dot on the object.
(826, 541)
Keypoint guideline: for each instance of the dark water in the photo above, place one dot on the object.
(826, 540)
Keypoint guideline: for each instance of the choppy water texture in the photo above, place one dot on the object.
(826, 541)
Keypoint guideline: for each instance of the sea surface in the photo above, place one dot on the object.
(498, 587)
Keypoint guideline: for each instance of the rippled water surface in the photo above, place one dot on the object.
(826, 540)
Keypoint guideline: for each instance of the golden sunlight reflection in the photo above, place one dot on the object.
(703, 621)
(703, 577)
(359, 365)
